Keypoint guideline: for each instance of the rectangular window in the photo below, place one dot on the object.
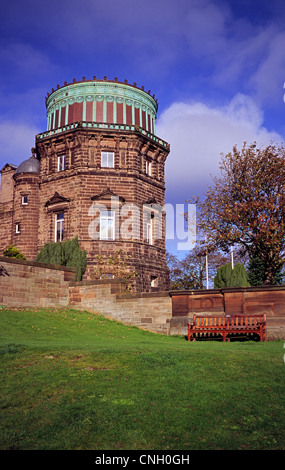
(59, 227)
(149, 231)
(18, 227)
(107, 159)
(148, 167)
(154, 281)
(107, 225)
(24, 200)
(61, 163)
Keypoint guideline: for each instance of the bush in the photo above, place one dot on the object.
(13, 252)
(66, 253)
(228, 277)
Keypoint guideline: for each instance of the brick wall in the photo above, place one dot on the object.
(6, 206)
(85, 183)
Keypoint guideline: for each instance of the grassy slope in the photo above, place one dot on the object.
(74, 380)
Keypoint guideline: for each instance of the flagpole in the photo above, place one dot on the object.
(207, 274)
(232, 257)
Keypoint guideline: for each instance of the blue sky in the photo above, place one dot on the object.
(217, 69)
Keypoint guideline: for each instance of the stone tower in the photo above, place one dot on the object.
(101, 178)
(26, 206)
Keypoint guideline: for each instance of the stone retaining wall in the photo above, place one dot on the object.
(31, 284)
(152, 311)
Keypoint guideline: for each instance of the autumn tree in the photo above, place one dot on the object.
(246, 206)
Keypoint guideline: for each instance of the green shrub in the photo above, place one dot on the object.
(13, 252)
(66, 253)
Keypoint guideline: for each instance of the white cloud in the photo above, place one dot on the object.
(199, 133)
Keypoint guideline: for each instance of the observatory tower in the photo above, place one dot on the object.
(96, 173)
(102, 175)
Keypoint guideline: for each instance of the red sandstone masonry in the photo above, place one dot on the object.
(230, 301)
(30, 284)
(84, 178)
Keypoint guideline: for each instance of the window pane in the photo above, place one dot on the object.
(107, 159)
(61, 163)
(107, 225)
(110, 229)
(149, 232)
(59, 227)
(148, 168)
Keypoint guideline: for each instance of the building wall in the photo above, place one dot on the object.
(84, 184)
(6, 206)
(26, 214)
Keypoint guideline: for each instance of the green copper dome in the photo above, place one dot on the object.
(101, 101)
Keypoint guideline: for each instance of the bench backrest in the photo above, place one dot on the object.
(229, 320)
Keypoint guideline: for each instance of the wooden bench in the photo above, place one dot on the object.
(227, 324)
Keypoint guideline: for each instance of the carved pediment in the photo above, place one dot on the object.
(57, 199)
(106, 195)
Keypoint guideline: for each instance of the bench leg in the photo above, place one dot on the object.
(262, 335)
(225, 334)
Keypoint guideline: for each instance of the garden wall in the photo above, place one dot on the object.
(229, 301)
(32, 284)
(152, 311)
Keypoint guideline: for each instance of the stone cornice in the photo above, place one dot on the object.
(118, 129)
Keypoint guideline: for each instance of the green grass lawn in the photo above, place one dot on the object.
(73, 380)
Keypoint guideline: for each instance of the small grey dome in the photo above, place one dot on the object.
(31, 165)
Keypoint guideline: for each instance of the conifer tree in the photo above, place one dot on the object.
(66, 253)
(228, 277)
